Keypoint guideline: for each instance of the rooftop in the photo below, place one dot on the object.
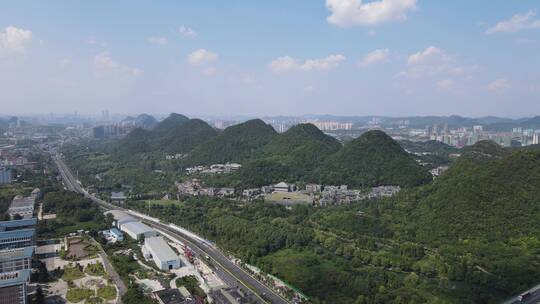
(19, 253)
(118, 195)
(7, 225)
(120, 215)
(14, 278)
(137, 227)
(17, 233)
(172, 296)
(160, 248)
(22, 202)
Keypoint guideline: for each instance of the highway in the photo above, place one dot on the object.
(231, 273)
(533, 298)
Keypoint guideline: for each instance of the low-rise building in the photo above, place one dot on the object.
(282, 187)
(121, 218)
(138, 230)
(22, 206)
(173, 296)
(118, 197)
(162, 254)
(113, 235)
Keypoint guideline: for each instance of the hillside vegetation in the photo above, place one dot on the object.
(372, 159)
(472, 236)
(235, 144)
(301, 154)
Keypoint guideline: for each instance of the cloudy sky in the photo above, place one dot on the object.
(344, 57)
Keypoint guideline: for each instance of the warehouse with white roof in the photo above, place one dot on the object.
(164, 257)
(121, 217)
(138, 230)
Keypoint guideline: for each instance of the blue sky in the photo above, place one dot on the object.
(344, 57)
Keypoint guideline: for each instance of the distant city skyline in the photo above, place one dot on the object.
(240, 58)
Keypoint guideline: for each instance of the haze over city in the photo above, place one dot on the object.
(394, 58)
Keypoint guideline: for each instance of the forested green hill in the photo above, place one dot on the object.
(235, 144)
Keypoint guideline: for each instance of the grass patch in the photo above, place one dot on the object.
(94, 300)
(76, 295)
(108, 292)
(72, 273)
(95, 269)
(279, 197)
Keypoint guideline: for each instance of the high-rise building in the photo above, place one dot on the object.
(17, 241)
(5, 176)
(536, 139)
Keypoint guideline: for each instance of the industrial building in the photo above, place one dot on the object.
(120, 218)
(164, 257)
(138, 230)
(22, 206)
(113, 235)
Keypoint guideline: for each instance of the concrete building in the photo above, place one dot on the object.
(18, 224)
(282, 187)
(13, 286)
(138, 230)
(17, 239)
(23, 206)
(174, 296)
(16, 259)
(113, 235)
(5, 176)
(118, 197)
(121, 218)
(162, 254)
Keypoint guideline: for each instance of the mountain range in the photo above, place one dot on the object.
(302, 153)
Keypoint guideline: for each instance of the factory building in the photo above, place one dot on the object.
(138, 230)
(121, 218)
(23, 206)
(164, 257)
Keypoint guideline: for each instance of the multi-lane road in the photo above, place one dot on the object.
(231, 273)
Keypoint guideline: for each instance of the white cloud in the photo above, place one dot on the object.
(517, 23)
(15, 39)
(434, 65)
(105, 64)
(426, 55)
(201, 56)
(355, 12)
(158, 40)
(445, 84)
(498, 85)
(187, 32)
(372, 33)
(287, 64)
(434, 62)
(377, 56)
